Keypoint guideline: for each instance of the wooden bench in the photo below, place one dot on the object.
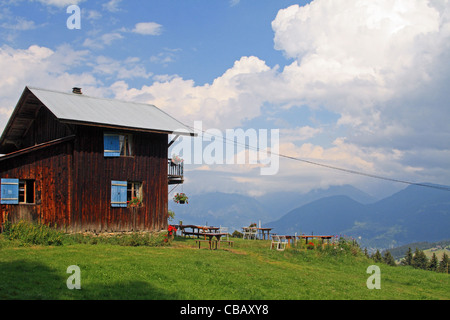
(210, 243)
(186, 233)
(217, 243)
(230, 243)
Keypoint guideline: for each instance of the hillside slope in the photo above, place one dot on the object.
(412, 215)
(324, 216)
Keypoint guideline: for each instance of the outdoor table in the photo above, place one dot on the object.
(306, 237)
(197, 230)
(263, 231)
(289, 238)
(210, 236)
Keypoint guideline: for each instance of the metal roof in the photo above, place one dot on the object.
(85, 110)
(79, 108)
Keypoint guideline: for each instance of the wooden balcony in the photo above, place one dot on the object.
(175, 173)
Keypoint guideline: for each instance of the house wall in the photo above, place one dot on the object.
(50, 168)
(73, 184)
(93, 173)
(44, 128)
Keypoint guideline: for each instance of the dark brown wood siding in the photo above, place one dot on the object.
(44, 128)
(73, 183)
(93, 173)
(50, 169)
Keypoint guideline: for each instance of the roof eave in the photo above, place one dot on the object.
(119, 127)
(25, 92)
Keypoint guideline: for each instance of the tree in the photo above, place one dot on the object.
(407, 261)
(366, 253)
(377, 256)
(433, 265)
(420, 260)
(389, 259)
(443, 265)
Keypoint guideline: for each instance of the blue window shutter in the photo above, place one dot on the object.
(119, 194)
(111, 144)
(10, 191)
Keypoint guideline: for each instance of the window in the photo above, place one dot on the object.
(15, 191)
(126, 194)
(117, 145)
(118, 194)
(125, 145)
(10, 191)
(134, 194)
(26, 191)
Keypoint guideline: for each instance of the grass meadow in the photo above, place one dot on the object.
(249, 270)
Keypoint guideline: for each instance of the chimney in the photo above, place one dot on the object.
(76, 90)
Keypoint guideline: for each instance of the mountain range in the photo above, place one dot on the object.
(414, 214)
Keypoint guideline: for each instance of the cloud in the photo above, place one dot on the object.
(104, 40)
(114, 69)
(54, 69)
(20, 24)
(165, 57)
(380, 66)
(143, 28)
(358, 59)
(300, 134)
(225, 103)
(112, 5)
(59, 3)
(352, 57)
(91, 14)
(234, 2)
(148, 28)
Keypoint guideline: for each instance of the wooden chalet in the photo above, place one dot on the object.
(87, 164)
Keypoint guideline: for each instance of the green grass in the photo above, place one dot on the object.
(247, 271)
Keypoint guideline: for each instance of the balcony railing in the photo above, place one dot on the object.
(175, 172)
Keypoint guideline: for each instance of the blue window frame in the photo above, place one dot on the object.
(117, 145)
(9, 191)
(111, 144)
(119, 194)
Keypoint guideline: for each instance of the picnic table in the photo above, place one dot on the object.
(211, 241)
(286, 239)
(255, 232)
(264, 231)
(306, 237)
(197, 230)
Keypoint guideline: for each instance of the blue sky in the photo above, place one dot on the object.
(355, 84)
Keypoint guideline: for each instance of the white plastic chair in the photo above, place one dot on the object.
(283, 243)
(249, 232)
(280, 242)
(244, 232)
(275, 241)
(253, 233)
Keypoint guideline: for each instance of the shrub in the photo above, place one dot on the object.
(26, 233)
(237, 234)
(132, 239)
(310, 246)
(32, 234)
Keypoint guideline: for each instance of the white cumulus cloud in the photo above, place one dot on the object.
(148, 28)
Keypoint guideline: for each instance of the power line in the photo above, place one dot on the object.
(350, 171)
